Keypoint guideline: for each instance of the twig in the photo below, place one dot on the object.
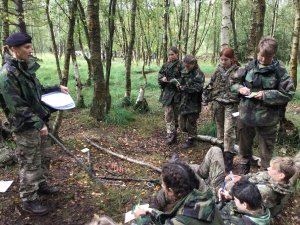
(215, 141)
(100, 182)
(124, 157)
(129, 179)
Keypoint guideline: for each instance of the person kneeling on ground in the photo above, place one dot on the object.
(247, 207)
(191, 205)
(274, 185)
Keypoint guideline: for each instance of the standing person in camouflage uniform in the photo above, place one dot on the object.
(247, 207)
(271, 88)
(224, 102)
(20, 98)
(191, 206)
(168, 80)
(191, 86)
(274, 185)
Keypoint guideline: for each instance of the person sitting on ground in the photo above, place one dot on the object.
(210, 173)
(274, 184)
(247, 207)
(191, 205)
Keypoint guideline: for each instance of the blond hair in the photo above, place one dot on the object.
(285, 165)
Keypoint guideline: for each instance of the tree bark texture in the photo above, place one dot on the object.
(295, 42)
(20, 15)
(98, 104)
(233, 25)
(196, 26)
(5, 24)
(130, 49)
(274, 18)
(226, 23)
(166, 25)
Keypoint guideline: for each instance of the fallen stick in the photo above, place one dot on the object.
(89, 172)
(124, 157)
(129, 179)
(215, 141)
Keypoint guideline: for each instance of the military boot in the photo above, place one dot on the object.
(172, 139)
(190, 142)
(244, 166)
(228, 161)
(35, 207)
(45, 189)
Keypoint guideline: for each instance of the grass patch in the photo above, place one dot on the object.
(208, 128)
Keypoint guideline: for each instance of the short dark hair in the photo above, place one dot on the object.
(268, 46)
(245, 191)
(173, 49)
(189, 59)
(180, 177)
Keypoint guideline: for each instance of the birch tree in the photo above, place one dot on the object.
(295, 42)
(226, 23)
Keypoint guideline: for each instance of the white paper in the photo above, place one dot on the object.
(130, 216)
(252, 95)
(4, 185)
(58, 100)
(85, 150)
(235, 114)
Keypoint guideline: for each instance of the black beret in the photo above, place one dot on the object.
(17, 39)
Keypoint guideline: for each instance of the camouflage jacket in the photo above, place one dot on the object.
(278, 89)
(232, 216)
(169, 91)
(274, 194)
(218, 88)
(197, 208)
(20, 95)
(191, 90)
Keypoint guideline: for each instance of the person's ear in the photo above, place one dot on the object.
(281, 176)
(245, 205)
(171, 191)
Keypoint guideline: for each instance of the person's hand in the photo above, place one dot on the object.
(64, 89)
(224, 194)
(259, 95)
(164, 79)
(244, 91)
(140, 211)
(44, 131)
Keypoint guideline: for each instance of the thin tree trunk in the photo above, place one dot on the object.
(180, 29)
(295, 43)
(98, 104)
(196, 25)
(166, 25)
(5, 24)
(109, 53)
(275, 16)
(226, 23)
(70, 43)
(232, 18)
(20, 15)
(54, 46)
(130, 50)
(186, 25)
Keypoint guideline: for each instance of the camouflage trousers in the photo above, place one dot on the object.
(226, 124)
(188, 124)
(171, 118)
(34, 160)
(266, 140)
(210, 173)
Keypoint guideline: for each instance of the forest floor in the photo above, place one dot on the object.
(79, 197)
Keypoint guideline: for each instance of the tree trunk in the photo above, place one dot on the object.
(226, 23)
(79, 96)
(274, 19)
(180, 28)
(166, 25)
(5, 24)
(196, 25)
(70, 43)
(98, 104)
(186, 25)
(232, 18)
(130, 50)
(109, 48)
(20, 15)
(256, 30)
(86, 33)
(54, 46)
(295, 43)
